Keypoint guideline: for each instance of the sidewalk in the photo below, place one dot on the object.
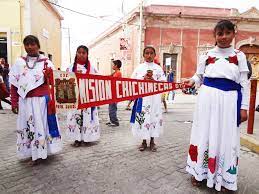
(114, 165)
(251, 141)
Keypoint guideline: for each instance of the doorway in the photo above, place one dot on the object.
(3, 48)
(170, 63)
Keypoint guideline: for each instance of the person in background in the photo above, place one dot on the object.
(170, 78)
(4, 69)
(114, 122)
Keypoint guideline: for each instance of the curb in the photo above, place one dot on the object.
(250, 142)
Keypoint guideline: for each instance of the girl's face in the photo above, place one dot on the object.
(81, 54)
(149, 55)
(224, 37)
(32, 49)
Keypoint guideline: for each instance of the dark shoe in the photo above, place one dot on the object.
(76, 143)
(153, 147)
(113, 124)
(142, 147)
(195, 183)
(108, 123)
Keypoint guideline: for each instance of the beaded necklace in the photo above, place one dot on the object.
(34, 63)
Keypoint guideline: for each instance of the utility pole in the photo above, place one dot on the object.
(69, 43)
(140, 30)
(68, 29)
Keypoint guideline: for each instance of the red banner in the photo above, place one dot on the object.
(83, 91)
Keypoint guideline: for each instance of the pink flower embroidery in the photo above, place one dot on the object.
(147, 126)
(37, 77)
(17, 77)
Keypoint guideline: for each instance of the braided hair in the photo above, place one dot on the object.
(75, 60)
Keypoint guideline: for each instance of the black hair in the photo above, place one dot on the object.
(31, 39)
(224, 24)
(117, 63)
(75, 60)
(149, 47)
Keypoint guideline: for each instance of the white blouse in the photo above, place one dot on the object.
(223, 68)
(141, 70)
(28, 76)
(82, 69)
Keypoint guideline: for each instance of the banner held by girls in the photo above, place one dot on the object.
(78, 91)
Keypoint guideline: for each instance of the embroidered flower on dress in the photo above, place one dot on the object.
(28, 144)
(36, 144)
(37, 77)
(24, 87)
(25, 71)
(232, 59)
(193, 152)
(232, 170)
(71, 128)
(212, 164)
(17, 77)
(211, 60)
(147, 126)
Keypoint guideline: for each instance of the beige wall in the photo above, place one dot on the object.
(109, 48)
(10, 27)
(20, 18)
(44, 19)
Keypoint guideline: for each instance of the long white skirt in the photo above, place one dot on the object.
(81, 127)
(33, 138)
(215, 139)
(149, 122)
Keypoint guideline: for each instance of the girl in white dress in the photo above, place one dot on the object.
(37, 130)
(221, 106)
(146, 115)
(83, 125)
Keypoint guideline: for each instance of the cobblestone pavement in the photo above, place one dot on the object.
(114, 165)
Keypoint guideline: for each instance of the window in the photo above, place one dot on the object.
(41, 52)
(50, 57)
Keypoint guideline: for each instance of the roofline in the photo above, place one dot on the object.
(114, 27)
(240, 18)
(190, 6)
(54, 9)
(135, 12)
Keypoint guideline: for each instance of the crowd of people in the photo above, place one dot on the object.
(4, 82)
(221, 106)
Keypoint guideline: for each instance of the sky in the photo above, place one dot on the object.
(84, 29)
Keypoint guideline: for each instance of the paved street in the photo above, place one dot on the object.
(114, 165)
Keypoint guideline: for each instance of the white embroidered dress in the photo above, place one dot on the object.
(149, 122)
(83, 125)
(215, 139)
(33, 138)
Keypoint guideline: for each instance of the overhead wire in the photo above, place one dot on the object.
(88, 15)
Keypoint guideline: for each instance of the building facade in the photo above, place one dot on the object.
(178, 33)
(24, 17)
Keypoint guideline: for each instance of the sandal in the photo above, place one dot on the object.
(142, 147)
(34, 162)
(76, 143)
(224, 190)
(153, 147)
(195, 183)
